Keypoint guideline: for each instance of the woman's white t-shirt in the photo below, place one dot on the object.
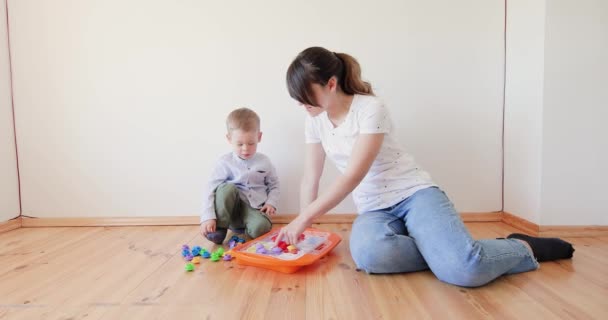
(392, 177)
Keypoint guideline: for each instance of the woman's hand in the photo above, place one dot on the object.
(291, 232)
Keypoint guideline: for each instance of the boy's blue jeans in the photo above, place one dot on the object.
(425, 231)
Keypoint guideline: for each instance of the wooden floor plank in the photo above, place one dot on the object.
(138, 273)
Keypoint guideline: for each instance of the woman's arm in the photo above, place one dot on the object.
(313, 168)
(364, 153)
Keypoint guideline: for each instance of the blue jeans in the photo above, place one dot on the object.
(425, 231)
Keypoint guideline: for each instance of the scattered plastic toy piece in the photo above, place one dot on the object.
(189, 267)
(220, 251)
(185, 252)
(227, 257)
(237, 239)
(189, 257)
(206, 254)
(215, 257)
(232, 244)
(196, 260)
(196, 250)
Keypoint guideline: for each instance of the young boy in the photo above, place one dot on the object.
(243, 189)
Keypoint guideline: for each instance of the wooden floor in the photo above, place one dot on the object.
(138, 273)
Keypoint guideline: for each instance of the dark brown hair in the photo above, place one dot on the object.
(318, 65)
(243, 119)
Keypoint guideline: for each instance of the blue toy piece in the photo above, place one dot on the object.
(237, 239)
(185, 250)
(196, 250)
(206, 254)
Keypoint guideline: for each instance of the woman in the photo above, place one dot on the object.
(405, 223)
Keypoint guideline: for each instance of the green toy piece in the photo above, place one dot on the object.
(220, 251)
(189, 267)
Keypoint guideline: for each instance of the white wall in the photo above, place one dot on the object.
(524, 107)
(575, 148)
(556, 139)
(9, 192)
(121, 103)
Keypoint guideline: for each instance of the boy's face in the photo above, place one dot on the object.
(244, 143)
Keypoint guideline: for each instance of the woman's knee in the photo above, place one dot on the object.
(386, 253)
(370, 243)
(471, 275)
(366, 254)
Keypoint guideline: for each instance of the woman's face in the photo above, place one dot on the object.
(312, 110)
(321, 96)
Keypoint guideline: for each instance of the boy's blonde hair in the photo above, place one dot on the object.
(243, 119)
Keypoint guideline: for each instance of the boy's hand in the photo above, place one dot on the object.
(269, 210)
(207, 226)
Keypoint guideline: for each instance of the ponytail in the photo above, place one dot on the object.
(351, 82)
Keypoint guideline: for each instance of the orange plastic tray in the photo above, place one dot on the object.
(316, 244)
